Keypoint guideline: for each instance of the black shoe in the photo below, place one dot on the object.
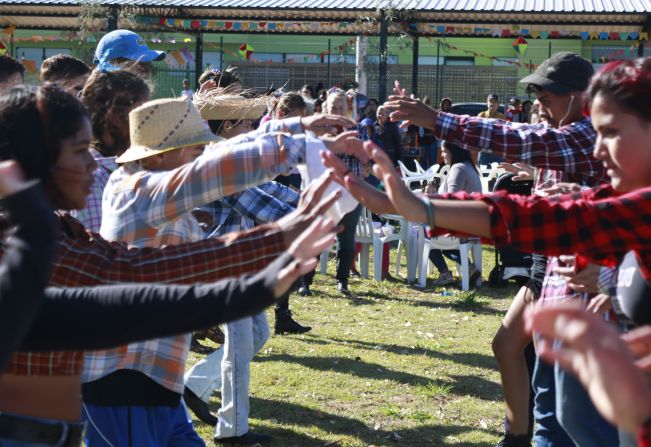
(250, 439)
(304, 291)
(285, 324)
(199, 407)
(342, 287)
(510, 440)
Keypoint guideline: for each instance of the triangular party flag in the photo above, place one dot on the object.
(614, 35)
(253, 26)
(585, 35)
(245, 26)
(524, 32)
(544, 34)
(633, 35)
(555, 34)
(440, 29)
(520, 45)
(246, 50)
(535, 34)
(644, 36)
(449, 29)
(594, 35)
(195, 24)
(603, 35)
(506, 32)
(271, 26)
(237, 26)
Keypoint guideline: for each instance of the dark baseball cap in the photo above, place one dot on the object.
(493, 97)
(562, 73)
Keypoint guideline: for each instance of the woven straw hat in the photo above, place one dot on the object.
(164, 125)
(215, 105)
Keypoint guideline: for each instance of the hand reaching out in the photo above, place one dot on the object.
(311, 242)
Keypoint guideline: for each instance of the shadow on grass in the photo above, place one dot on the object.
(465, 358)
(461, 385)
(371, 296)
(285, 413)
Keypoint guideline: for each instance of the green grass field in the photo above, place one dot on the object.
(389, 365)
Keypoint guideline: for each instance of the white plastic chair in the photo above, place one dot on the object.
(405, 172)
(487, 174)
(465, 246)
(408, 244)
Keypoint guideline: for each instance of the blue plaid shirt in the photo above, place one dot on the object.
(243, 210)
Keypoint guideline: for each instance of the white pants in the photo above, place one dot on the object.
(229, 368)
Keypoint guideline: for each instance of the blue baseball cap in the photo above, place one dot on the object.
(126, 44)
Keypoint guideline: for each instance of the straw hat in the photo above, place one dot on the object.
(215, 105)
(164, 125)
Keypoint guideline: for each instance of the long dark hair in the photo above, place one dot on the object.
(459, 155)
(625, 82)
(108, 95)
(33, 121)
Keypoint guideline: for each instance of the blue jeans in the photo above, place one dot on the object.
(547, 431)
(131, 426)
(578, 416)
(429, 155)
(229, 368)
(436, 256)
(346, 243)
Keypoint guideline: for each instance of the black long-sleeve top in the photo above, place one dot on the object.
(25, 267)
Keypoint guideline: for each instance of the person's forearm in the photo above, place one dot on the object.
(469, 217)
(102, 317)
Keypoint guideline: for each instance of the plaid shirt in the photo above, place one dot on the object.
(568, 148)
(152, 209)
(85, 259)
(597, 223)
(248, 208)
(91, 216)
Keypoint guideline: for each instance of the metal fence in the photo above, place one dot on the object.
(462, 83)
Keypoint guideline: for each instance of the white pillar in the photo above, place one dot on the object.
(360, 69)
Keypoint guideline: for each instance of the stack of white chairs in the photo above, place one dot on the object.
(418, 176)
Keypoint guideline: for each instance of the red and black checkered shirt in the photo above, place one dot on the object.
(599, 224)
(86, 259)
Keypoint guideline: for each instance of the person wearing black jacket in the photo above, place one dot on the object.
(388, 135)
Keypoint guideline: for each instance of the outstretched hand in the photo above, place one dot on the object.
(323, 124)
(412, 112)
(346, 143)
(311, 205)
(370, 197)
(404, 201)
(592, 350)
(316, 238)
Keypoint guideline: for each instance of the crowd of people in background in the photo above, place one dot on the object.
(196, 206)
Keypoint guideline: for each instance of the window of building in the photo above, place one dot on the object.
(459, 60)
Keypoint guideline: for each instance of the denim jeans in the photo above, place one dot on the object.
(429, 155)
(547, 431)
(229, 368)
(139, 426)
(578, 416)
(346, 243)
(436, 256)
